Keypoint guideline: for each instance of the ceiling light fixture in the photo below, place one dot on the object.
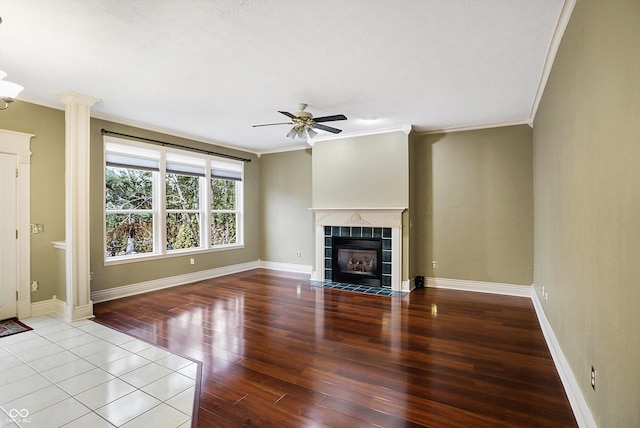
(8, 90)
(303, 130)
(303, 125)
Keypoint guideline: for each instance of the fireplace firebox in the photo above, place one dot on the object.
(357, 260)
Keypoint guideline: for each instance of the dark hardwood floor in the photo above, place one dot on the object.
(276, 352)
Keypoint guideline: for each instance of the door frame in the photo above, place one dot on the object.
(18, 143)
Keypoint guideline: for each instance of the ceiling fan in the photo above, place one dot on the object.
(304, 123)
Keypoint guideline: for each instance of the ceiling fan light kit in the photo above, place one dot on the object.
(8, 90)
(304, 124)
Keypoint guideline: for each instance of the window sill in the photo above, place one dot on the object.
(119, 260)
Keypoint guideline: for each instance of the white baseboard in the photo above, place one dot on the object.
(78, 313)
(24, 309)
(480, 286)
(578, 403)
(287, 267)
(172, 281)
(44, 307)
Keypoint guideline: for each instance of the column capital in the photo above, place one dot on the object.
(72, 97)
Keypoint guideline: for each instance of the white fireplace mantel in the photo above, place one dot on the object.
(361, 217)
(372, 217)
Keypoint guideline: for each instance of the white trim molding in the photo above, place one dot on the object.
(579, 406)
(404, 128)
(18, 143)
(172, 281)
(577, 401)
(480, 286)
(44, 307)
(561, 26)
(286, 267)
(473, 127)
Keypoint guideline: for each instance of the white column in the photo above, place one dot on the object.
(77, 144)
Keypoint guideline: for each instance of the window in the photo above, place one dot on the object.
(129, 190)
(160, 201)
(224, 203)
(183, 182)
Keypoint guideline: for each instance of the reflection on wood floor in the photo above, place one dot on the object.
(279, 352)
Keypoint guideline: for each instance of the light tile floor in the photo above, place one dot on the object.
(84, 374)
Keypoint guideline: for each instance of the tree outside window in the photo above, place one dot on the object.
(223, 211)
(158, 202)
(183, 216)
(129, 211)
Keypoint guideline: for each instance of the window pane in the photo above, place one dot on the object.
(183, 230)
(183, 192)
(223, 228)
(224, 194)
(129, 234)
(128, 189)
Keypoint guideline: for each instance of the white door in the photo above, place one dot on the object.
(8, 239)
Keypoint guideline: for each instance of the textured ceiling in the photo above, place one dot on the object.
(210, 69)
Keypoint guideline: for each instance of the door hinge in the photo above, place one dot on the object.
(16, 172)
(17, 296)
(16, 233)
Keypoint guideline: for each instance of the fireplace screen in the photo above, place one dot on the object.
(357, 260)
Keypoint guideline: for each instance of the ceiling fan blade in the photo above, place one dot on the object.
(271, 124)
(327, 128)
(286, 113)
(330, 118)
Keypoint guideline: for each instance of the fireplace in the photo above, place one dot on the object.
(362, 224)
(357, 260)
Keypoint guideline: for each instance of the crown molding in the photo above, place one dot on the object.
(284, 150)
(475, 127)
(135, 124)
(405, 128)
(56, 105)
(165, 131)
(561, 26)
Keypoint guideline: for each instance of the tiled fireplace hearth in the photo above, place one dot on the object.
(366, 225)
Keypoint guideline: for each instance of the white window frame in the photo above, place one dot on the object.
(188, 159)
(232, 167)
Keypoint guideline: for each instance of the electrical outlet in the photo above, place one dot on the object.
(299, 254)
(434, 264)
(192, 261)
(593, 378)
(37, 228)
(546, 295)
(35, 286)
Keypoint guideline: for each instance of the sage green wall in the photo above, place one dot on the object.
(474, 205)
(587, 200)
(105, 277)
(361, 172)
(285, 198)
(47, 191)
